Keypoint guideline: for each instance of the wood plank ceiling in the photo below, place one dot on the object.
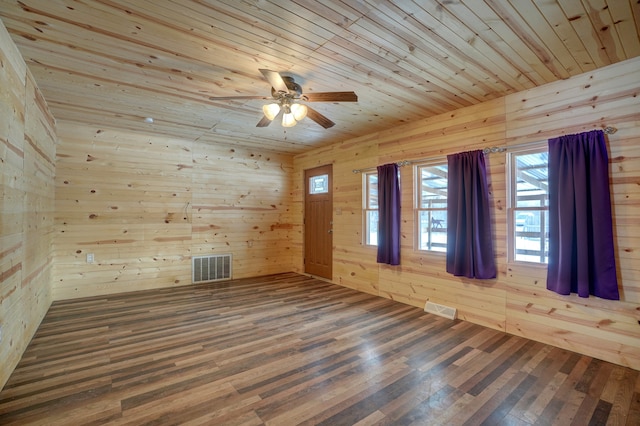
(114, 62)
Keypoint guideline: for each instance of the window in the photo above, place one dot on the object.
(319, 184)
(370, 207)
(431, 206)
(528, 219)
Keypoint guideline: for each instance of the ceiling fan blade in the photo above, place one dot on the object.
(319, 118)
(264, 122)
(330, 97)
(229, 98)
(275, 79)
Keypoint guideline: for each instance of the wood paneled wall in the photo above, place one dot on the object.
(27, 169)
(144, 205)
(517, 300)
(604, 329)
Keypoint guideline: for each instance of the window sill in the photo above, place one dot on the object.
(522, 264)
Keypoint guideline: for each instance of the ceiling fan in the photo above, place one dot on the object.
(284, 93)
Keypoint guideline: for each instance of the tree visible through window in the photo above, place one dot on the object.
(431, 207)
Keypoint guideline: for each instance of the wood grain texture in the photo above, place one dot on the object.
(289, 349)
(145, 178)
(607, 330)
(27, 170)
(143, 205)
(517, 300)
(119, 61)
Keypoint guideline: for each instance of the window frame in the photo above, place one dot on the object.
(367, 208)
(418, 209)
(513, 209)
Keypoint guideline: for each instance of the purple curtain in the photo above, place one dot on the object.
(469, 243)
(581, 255)
(388, 214)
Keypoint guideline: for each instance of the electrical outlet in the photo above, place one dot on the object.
(89, 257)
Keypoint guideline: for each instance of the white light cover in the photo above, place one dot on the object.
(271, 110)
(299, 111)
(288, 120)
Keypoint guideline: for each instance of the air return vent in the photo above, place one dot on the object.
(442, 310)
(211, 268)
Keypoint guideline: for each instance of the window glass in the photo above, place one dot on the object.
(370, 208)
(529, 216)
(319, 184)
(431, 207)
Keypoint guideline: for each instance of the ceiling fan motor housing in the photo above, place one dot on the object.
(294, 88)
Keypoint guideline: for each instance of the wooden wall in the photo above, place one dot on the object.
(517, 300)
(27, 169)
(604, 329)
(144, 205)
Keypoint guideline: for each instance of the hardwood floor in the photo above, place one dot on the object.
(289, 349)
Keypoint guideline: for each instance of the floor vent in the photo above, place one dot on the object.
(211, 268)
(443, 311)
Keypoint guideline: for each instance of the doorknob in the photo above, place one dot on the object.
(330, 231)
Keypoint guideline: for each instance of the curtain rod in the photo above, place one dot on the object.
(608, 130)
(399, 163)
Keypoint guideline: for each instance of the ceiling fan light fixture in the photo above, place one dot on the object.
(299, 111)
(288, 120)
(284, 91)
(271, 110)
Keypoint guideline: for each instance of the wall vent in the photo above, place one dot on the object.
(211, 268)
(442, 310)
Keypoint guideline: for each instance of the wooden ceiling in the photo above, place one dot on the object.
(114, 62)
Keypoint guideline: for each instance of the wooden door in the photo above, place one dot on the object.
(318, 222)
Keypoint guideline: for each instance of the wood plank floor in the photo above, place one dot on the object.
(288, 349)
